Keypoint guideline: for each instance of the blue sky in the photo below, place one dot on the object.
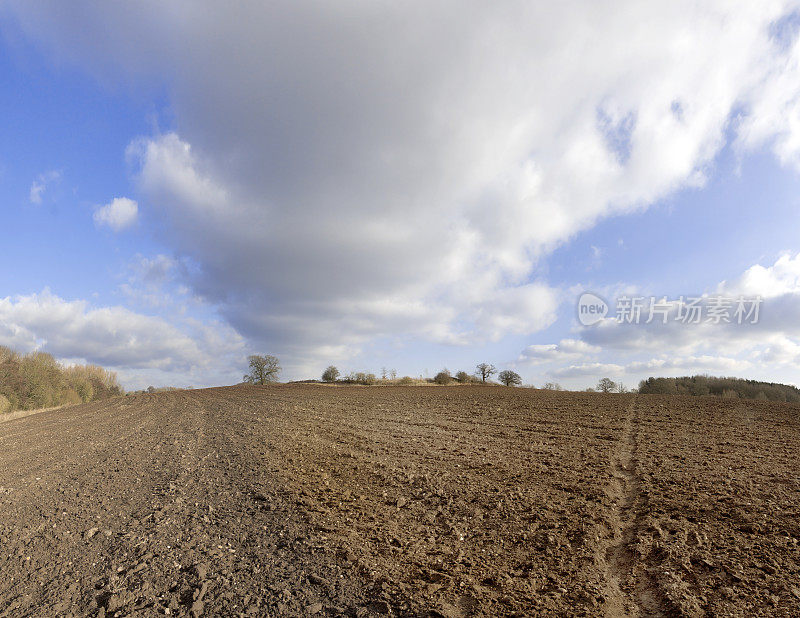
(60, 122)
(360, 186)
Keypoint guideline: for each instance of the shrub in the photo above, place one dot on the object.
(360, 377)
(5, 404)
(84, 390)
(443, 377)
(37, 380)
(406, 381)
(70, 397)
(8, 355)
(43, 381)
(92, 382)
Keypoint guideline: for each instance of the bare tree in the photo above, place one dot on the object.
(393, 374)
(485, 370)
(384, 373)
(263, 369)
(509, 378)
(606, 385)
(552, 386)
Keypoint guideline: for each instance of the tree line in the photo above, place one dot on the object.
(264, 369)
(483, 372)
(37, 380)
(722, 387)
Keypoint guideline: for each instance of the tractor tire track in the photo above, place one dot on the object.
(631, 591)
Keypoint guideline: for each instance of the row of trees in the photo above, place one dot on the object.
(265, 369)
(86, 382)
(37, 380)
(700, 385)
(483, 372)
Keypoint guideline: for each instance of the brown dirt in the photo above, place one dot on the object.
(301, 500)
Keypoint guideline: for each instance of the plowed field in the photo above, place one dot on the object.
(295, 500)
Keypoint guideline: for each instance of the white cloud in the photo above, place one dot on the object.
(565, 350)
(119, 214)
(768, 349)
(37, 188)
(782, 277)
(596, 370)
(40, 184)
(118, 338)
(779, 350)
(346, 172)
(772, 111)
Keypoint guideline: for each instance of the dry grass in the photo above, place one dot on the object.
(10, 416)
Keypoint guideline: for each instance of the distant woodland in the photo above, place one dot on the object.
(721, 387)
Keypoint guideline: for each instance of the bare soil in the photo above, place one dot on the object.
(302, 500)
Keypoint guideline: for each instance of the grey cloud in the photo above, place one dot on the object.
(346, 171)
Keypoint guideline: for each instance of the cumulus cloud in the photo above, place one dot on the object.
(772, 344)
(778, 279)
(565, 350)
(660, 366)
(115, 337)
(778, 286)
(597, 370)
(121, 213)
(341, 172)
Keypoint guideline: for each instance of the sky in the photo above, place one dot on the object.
(413, 186)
